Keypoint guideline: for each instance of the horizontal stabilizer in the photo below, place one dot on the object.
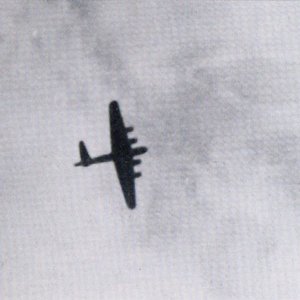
(129, 129)
(137, 175)
(136, 162)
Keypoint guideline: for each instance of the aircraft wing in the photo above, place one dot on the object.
(118, 132)
(126, 178)
(122, 154)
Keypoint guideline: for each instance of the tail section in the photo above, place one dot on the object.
(84, 156)
(86, 160)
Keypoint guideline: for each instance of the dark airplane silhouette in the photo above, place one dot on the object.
(122, 154)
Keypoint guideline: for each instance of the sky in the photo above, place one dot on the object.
(211, 88)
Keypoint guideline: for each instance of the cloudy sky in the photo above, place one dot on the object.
(212, 89)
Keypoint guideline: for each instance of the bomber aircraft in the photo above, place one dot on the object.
(122, 154)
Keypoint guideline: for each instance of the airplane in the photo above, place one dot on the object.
(122, 154)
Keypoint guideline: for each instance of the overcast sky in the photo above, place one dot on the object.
(212, 89)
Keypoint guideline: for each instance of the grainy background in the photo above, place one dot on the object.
(212, 89)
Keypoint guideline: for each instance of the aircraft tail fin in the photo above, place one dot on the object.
(84, 155)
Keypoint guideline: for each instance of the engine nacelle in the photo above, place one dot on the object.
(133, 141)
(137, 175)
(139, 150)
(136, 162)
